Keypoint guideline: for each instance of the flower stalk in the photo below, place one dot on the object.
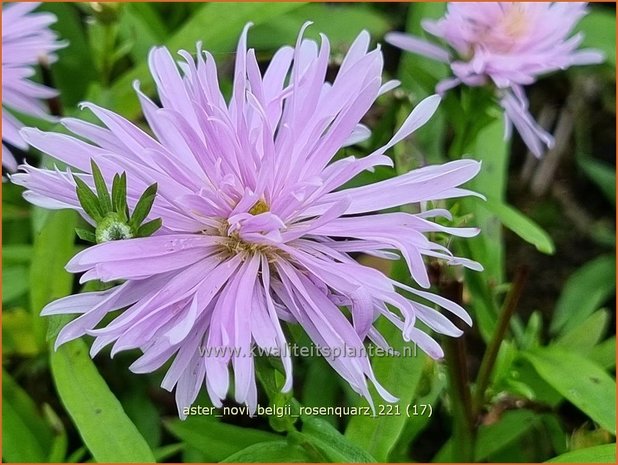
(459, 383)
(491, 354)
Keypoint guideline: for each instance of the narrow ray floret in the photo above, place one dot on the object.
(26, 41)
(506, 44)
(257, 228)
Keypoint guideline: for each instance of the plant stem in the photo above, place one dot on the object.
(459, 385)
(459, 392)
(491, 353)
(53, 103)
(108, 51)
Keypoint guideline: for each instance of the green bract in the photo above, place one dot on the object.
(111, 211)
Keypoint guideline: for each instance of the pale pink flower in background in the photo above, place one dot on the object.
(257, 229)
(26, 40)
(509, 45)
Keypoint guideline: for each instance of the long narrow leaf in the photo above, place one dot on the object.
(53, 247)
(521, 225)
(105, 201)
(102, 423)
(581, 382)
(119, 195)
(597, 454)
(215, 439)
(584, 292)
(88, 200)
(143, 206)
(25, 435)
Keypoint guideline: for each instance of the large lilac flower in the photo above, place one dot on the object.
(26, 39)
(508, 44)
(256, 229)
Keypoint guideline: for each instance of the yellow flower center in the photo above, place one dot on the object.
(516, 21)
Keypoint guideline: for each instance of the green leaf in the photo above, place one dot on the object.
(552, 424)
(531, 335)
(119, 195)
(86, 235)
(143, 206)
(584, 292)
(164, 453)
(53, 247)
(483, 302)
(192, 455)
(339, 22)
(122, 51)
(492, 438)
(429, 391)
(14, 212)
(321, 386)
(25, 435)
(400, 376)
(142, 412)
(14, 282)
(23, 445)
(102, 35)
(18, 334)
(271, 375)
(469, 113)
(102, 423)
(602, 174)
(271, 452)
(73, 61)
(599, 28)
(140, 24)
(335, 447)
(16, 254)
(521, 225)
(531, 384)
(492, 150)
(204, 25)
(55, 325)
(216, 440)
(88, 200)
(488, 247)
(581, 382)
(149, 228)
(604, 354)
(597, 454)
(582, 338)
(60, 443)
(77, 456)
(38, 218)
(105, 201)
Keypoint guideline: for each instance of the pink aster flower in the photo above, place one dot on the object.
(257, 228)
(509, 45)
(26, 40)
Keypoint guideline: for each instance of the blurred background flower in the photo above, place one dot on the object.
(508, 45)
(27, 41)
